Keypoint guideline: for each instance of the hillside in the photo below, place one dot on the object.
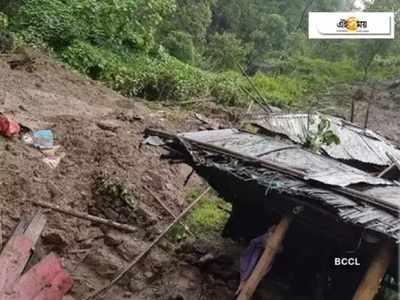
(101, 133)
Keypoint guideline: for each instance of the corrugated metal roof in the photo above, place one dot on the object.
(317, 167)
(357, 144)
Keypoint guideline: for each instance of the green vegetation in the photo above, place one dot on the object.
(322, 135)
(206, 220)
(177, 50)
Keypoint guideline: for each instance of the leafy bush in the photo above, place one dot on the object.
(180, 45)
(225, 50)
(126, 24)
(167, 78)
(280, 90)
(6, 37)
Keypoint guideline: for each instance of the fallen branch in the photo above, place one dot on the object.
(167, 209)
(147, 250)
(84, 216)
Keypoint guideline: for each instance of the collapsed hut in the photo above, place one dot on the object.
(324, 209)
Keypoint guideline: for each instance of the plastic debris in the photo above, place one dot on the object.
(8, 127)
(54, 160)
(27, 138)
(154, 141)
(43, 139)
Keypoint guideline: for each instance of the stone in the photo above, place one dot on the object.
(55, 238)
(104, 263)
(136, 286)
(127, 295)
(108, 125)
(148, 275)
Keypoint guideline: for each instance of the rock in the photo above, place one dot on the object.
(108, 125)
(127, 295)
(111, 214)
(113, 239)
(125, 245)
(104, 263)
(88, 233)
(149, 275)
(209, 257)
(55, 238)
(136, 286)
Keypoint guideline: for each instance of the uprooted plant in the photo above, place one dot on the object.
(320, 134)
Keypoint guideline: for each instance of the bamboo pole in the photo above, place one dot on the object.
(84, 216)
(369, 286)
(264, 104)
(167, 209)
(265, 262)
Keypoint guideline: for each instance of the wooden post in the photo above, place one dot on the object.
(369, 286)
(353, 107)
(265, 262)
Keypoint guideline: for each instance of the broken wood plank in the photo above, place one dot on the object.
(35, 227)
(370, 284)
(167, 209)
(264, 264)
(84, 216)
(13, 260)
(147, 250)
(19, 249)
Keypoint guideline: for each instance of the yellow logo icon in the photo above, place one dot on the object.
(352, 24)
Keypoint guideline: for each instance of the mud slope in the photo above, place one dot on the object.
(105, 165)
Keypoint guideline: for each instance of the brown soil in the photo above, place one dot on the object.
(101, 133)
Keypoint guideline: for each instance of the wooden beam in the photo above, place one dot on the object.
(18, 250)
(263, 266)
(370, 284)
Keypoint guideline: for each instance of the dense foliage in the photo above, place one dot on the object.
(180, 49)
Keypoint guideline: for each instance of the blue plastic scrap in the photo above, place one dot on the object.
(43, 139)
